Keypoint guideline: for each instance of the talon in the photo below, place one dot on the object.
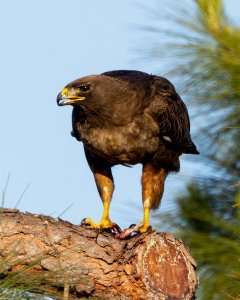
(116, 229)
(132, 226)
(82, 223)
(103, 225)
(88, 223)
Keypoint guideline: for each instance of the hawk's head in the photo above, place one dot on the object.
(75, 92)
(113, 96)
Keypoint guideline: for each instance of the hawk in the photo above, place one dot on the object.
(129, 117)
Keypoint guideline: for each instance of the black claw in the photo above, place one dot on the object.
(83, 222)
(132, 226)
(116, 229)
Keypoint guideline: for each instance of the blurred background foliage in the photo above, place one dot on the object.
(202, 53)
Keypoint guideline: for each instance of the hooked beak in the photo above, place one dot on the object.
(65, 98)
(61, 101)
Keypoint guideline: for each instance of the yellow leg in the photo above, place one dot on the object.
(105, 222)
(105, 188)
(146, 213)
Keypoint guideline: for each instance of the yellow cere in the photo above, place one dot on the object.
(64, 91)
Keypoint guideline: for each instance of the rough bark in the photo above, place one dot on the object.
(83, 262)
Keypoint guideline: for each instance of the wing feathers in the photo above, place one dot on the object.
(171, 115)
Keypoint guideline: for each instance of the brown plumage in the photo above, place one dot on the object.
(129, 117)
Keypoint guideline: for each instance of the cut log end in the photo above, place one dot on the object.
(86, 263)
(168, 269)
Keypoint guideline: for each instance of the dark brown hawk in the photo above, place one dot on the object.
(129, 117)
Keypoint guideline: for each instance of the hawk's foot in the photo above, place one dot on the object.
(143, 228)
(104, 224)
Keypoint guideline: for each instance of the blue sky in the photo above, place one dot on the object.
(44, 45)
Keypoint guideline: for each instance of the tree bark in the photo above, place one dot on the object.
(84, 263)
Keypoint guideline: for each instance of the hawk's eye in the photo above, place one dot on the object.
(84, 88)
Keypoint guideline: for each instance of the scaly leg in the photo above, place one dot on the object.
(105, 187)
